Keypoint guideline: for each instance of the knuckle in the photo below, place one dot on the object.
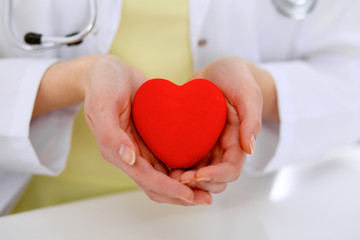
(237, 97)
(220, 189)
(236, 171)
(105, 139)
(103, 153)
(93, 100)
(177, 190)
(236, 176)
(258, 94)
(235, 59)
(109, 157)
(257, 125)
(88, 117)
(154, 198)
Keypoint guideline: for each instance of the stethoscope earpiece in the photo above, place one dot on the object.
(32, 38)
(35, 38)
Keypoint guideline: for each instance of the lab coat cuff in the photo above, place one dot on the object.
(30, 144)
(50, 135)
(33, 71)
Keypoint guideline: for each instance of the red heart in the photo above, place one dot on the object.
(179, 124)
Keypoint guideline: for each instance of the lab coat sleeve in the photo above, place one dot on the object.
(38, 146)
(318, 100)
(317, 91)
(319, 110)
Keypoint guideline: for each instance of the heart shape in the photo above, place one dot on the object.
(179, 124)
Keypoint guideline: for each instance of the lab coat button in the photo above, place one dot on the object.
(202, 42)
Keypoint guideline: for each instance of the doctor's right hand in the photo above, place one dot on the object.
(107, 86)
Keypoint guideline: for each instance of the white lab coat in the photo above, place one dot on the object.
(315, 64)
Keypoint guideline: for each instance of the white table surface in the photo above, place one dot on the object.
(320, 201)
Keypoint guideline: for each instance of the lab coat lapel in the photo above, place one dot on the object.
(234, 21)
(197, 14)
(109, 15)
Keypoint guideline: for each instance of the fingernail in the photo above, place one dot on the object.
(192, 184)
(189, 183)
(252, 144)
(185, 181)
(203, 179)
(186, 200)
(127, 154)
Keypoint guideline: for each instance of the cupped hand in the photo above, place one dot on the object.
(225, 161)
(109, 92)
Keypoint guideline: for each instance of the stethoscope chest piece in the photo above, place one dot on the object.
(295, 9)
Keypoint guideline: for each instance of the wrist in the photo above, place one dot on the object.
(63, 84)
(83, 68)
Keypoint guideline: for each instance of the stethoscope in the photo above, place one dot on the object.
(293, 9)
(37, 41)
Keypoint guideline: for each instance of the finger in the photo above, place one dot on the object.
(108, 124)
(249, 112)
(187, 177)
(145, 152)
(248, 102)
(228, 170)
(176, 174)
(113, 142)
(227, 157)
(159, 166)
(202, 163)
(210, 187)
(201, 194)
(149, 178)
(116, 134)
(115, 145)
(194, 183)
(201, 197)
(205, 185)
(156, 197)
(233, 76)
(191, 179)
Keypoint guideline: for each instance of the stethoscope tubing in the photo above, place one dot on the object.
(288, 8)
(48, 42)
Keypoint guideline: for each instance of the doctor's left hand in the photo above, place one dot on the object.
(107, 86)
(246, 88)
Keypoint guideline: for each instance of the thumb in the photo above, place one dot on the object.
(114, 143)
(248, 104)
(127, 154)
(116, 147)
(117, 142)
(198, 74)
